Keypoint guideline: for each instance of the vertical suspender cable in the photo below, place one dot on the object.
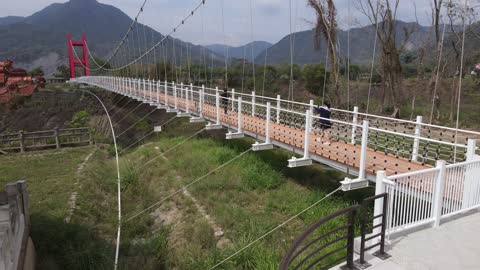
(437, 78)
(460, 80)
(348, 55)
(291, 53)
(252, 36)
(225, 43)
(373, 59)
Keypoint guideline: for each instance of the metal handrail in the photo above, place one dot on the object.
(292, 254)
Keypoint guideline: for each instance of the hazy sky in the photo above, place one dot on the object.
(270, 17)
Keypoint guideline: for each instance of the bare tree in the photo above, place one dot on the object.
(436, 14)
(420, 62)
(326, 27)
(458, 14)
(383, 14)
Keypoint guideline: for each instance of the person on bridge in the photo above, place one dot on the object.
(325, 123)
(225, 96)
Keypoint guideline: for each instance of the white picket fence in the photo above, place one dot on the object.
(425, 198)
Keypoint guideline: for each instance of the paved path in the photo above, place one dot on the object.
(454, 245)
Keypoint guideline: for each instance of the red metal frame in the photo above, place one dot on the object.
(76, 62)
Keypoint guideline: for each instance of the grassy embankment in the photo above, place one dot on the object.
(245, 199)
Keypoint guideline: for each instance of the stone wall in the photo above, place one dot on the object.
(14, 226)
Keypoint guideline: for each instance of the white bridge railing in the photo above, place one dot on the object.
(414, 143)
(425, 198)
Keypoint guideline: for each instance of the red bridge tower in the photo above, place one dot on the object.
(78, 62)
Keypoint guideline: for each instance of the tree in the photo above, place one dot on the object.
(326, 27)
(457, 15)
(38, 71)
(314, 77)
(62, 72)
(383, 14)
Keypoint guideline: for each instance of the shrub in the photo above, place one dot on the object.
(79, 119)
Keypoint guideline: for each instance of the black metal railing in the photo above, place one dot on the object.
(304, 255)
(314, 249)
(378, 230)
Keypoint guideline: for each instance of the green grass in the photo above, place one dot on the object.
(49, 174)
(246, 199)
(50, 177)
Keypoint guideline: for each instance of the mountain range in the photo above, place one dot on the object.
(361, 45)
(40, 39)
(241, 52)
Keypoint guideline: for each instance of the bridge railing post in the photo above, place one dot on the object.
(354, 126)
(279, 103)
(139, 87)
(308, 127)
(312, 105)
(186, 101)
(181, 90)
(158, 92)
(144, 90)
(239, 115)
(267, 127)
(166, 94)
(202, 100)
(363, 151)
(217, 103)
(233, 100)
(416, 141)
(175, 102)
(439, 192)
(253, 103)
(471, 148)
(150, 85)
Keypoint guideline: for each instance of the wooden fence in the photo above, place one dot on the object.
(38, 140)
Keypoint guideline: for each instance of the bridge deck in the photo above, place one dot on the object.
(340, 154)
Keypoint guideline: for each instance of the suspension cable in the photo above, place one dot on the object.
(119, 192)
(178, 26)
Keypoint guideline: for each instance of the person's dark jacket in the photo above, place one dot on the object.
(325, 114)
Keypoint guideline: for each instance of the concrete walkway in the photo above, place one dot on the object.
(454, 245)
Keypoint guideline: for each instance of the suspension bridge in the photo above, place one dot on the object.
(424, 174)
